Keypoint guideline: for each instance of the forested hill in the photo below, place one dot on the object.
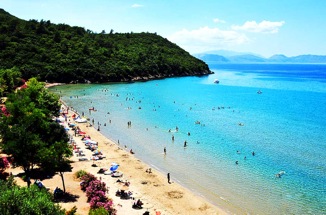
(63, 53)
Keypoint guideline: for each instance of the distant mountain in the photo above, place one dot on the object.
(278, 58)
(212, 58)
(237, 57)
(248, 58)
(228, 53)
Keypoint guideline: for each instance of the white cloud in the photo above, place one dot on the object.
(206, 38)
(262, 27)
(217, 20)
(137, 5)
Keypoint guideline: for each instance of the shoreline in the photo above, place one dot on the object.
(170, 198)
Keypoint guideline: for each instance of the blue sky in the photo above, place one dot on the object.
(265, 27)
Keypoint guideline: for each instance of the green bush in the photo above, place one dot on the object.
(23, 200)
(80, 173)
(98, 211)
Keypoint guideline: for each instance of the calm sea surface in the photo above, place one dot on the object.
(285, 126)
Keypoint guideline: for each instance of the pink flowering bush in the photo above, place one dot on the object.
(96, 193)
(86, 179)
(95, 188)
(4, 164)
(98, 201)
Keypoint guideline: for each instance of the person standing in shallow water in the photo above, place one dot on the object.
(165, 150)
(169, 178)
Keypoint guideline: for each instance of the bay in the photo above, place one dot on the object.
(284, 126)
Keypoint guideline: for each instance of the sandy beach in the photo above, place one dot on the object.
(153, 189)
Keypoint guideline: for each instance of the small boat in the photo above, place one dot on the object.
(216, 81)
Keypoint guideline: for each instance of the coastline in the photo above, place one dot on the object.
(152, 188)
(48, 85)
(277, 186)
(159, 196)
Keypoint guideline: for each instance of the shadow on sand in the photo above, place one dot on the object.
(67, 197)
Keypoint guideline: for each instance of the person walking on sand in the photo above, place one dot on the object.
(169, 178)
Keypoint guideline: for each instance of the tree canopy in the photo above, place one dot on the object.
(63, 53)
(29, 134)
(10, 79)
(23, 200)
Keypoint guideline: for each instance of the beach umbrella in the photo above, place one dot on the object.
(114, 168)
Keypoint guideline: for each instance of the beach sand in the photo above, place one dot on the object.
(152, 189)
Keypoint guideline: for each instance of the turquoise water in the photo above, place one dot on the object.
(284, 126)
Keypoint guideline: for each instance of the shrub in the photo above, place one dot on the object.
(23, 200)
(103, 201)
(80, 173)
(4, 164)
(98, 211)
(86, 179)
(96, 195)
(94, 188)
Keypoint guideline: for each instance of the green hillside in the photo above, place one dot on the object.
(63, 53)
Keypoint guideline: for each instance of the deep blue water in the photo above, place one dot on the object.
(285, 126)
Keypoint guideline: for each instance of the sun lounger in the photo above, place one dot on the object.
(117, 174)
(82, 159)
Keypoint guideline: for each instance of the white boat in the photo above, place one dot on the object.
(216, 81)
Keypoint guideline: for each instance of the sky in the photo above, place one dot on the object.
(263, 27)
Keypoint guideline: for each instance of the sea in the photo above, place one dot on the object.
(255, 142)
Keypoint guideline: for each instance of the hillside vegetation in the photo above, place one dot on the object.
(63, 53)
